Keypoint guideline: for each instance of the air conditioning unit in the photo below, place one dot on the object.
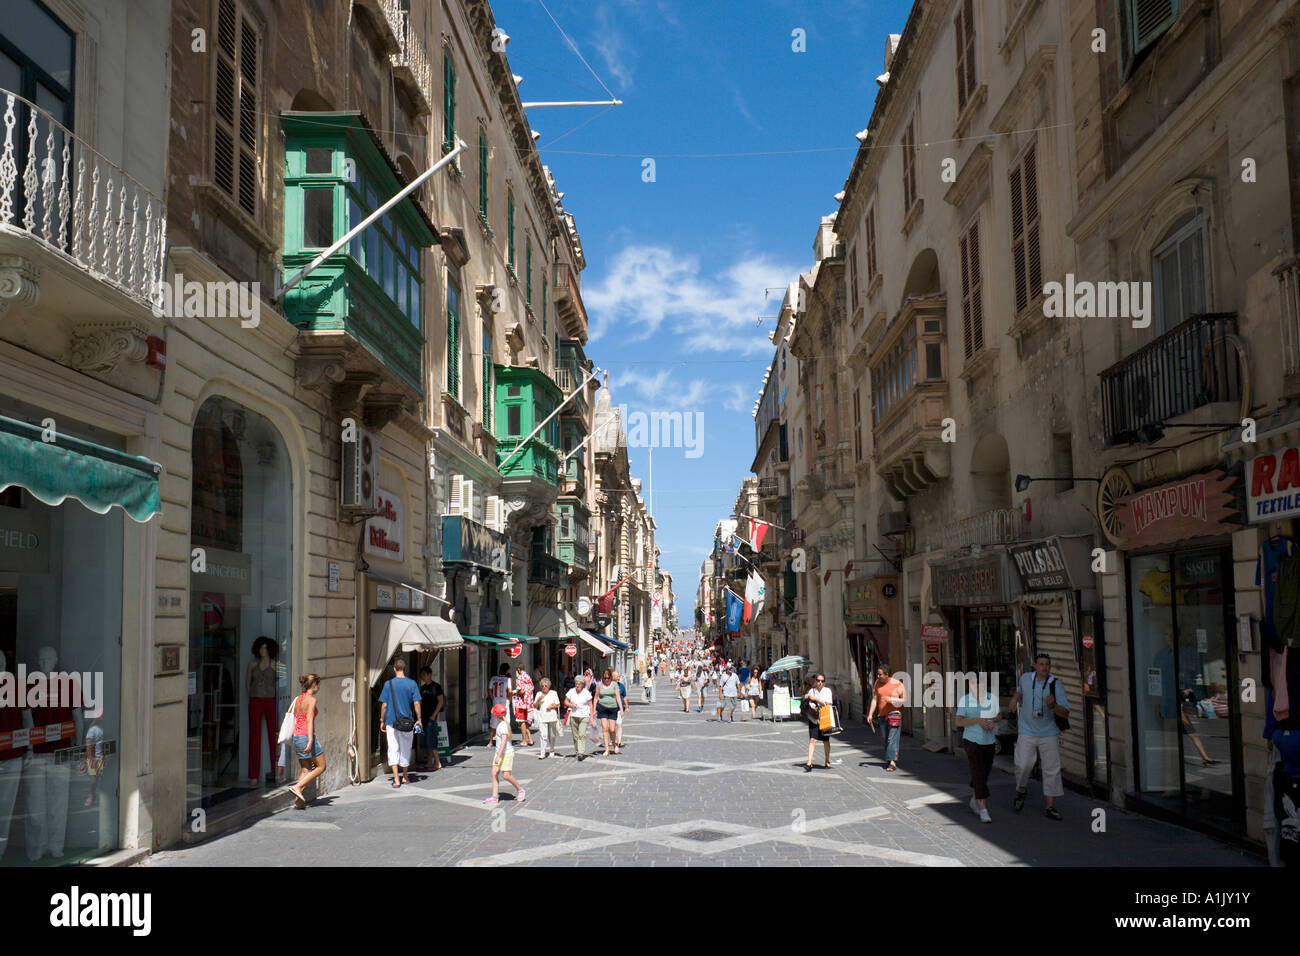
(359, 489)
(892, 522)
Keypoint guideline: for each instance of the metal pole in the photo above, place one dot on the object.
(501, 467)
(357, 229)
(540, 104)
(583, 443)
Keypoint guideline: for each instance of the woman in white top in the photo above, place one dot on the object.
(578, 700)
(821, 695)
(547, 705)
(684, 687)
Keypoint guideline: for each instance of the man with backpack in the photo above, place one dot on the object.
(1040, 723)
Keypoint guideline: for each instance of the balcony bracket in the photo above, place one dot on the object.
(19, 283)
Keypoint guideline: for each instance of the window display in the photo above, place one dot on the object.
(240, 612)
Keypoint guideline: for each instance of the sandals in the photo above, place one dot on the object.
(1020, 800)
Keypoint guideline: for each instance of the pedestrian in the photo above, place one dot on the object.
(728, 693)
(399, 713)
(702, 672)
(432, 700)
(523, 691)
(648, 685)
(622, 712)
(500, 690)
(820, 695)
(684, 687)
(1039, 736)
(306, 746)
(578, 701)
(977, 713)
(547, 705)
(609, 701)
(503, 757)
(755, 692)
(887, 699)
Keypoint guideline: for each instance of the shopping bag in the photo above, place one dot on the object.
(835, 728)
(286, 726)
(825, 718)
(744, 705)
(442, 741)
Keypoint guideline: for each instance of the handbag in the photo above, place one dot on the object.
(286, 725)
(894, 719)
(404, 724)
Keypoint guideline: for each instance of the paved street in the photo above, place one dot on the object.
(689, 790)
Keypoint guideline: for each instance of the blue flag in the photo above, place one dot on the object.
(735, 608)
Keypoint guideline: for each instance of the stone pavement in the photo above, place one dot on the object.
(689, 790)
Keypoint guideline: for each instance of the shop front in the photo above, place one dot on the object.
(1059, 609)
(1183, 648)
(978, 598)
(476, 564)
(241, 655)
(871, 613)
(68, 566)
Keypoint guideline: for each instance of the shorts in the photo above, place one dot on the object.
(607, 713)
(429, 736)
(303, 751)
(506, 763)
(729, 703)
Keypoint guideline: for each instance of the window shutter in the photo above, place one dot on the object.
(972, 303)
(467, 498)
(1033, 250)
(453, 503)
(453, 341)
(960, 38)
(528, 270)
(490, 514)
(482, 176)
(488, 390)
(510, 231)
(1148, 19)
(1018, 238)
(235, 107)
(448, 103)
(871, 244)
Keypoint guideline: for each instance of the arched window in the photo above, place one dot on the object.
(240, 589)
(1178, 272)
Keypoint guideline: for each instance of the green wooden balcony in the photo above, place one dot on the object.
(524, 399)
(546, 569)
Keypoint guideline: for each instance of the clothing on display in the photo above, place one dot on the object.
(1266, 568)
(1286, 601)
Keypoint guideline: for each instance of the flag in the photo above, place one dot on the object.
(755, 595)
(757, 530)
(735, 608)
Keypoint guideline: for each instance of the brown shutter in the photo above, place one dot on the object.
(1018, 238)
(1033, 251)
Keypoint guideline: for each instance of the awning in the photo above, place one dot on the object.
(407, 632)
(599, 645)
(489, 641)
(68, 467)
(521, 638)
(614, 641)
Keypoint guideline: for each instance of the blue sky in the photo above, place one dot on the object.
(677, 268)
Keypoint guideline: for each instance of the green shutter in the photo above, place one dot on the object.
(448, 103)
(543, 302)
(510, 230)
(487, 381)
(482, 176)
(453, 340)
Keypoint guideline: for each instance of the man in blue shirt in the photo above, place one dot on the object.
(1039, 739)
(399, 707)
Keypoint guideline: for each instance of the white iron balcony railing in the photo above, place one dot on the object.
(60, 191)
(995, 526)
(411, 63)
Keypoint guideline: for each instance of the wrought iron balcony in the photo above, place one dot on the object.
(81, 208)
(546, 569)
(1191, 366)
(411, 64)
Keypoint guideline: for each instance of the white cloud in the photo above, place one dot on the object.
(649, 287)
(612, 47)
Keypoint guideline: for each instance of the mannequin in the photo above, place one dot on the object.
(11, 764)
(259, 685)
(45, 782)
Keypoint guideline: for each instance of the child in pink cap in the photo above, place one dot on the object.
(503, 757)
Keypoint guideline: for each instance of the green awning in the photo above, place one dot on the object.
(488, 640)
(68, 467)
(524, 637)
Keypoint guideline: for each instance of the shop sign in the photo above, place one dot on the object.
(384, 596)
(225, 572)
(384, 533)
(862, 605)
(1274, 486)
(935, 633)
(24, 541)
(986, 580)
(1190, 508)
(472, 543)
(1055, 564)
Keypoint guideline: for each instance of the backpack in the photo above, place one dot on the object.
(1062, 723)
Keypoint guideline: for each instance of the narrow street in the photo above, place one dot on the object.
(689, 790)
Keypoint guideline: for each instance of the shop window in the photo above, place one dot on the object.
(61, 611)
(240, 659)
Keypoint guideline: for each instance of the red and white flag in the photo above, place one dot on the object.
(757, 529)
